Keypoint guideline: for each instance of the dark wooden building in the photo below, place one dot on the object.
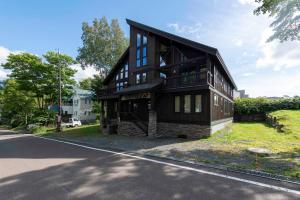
(166, 85)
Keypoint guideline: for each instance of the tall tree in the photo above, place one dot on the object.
(286, 14)
(38, 77)
(103, 44)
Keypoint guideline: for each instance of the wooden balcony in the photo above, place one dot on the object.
(188, 80)
(106, 92)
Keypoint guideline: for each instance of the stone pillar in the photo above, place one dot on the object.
(152, 124)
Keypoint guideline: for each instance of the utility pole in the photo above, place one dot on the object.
(58, 127)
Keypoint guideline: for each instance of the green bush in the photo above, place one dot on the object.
(264, 105)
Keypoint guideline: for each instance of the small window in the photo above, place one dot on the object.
(138, 78)
(117, 77)
(145, 40)
(216, 100)
(187, 103)
(138, 40)
(121, 85)
(126, 74)
(144, 78)
(198, 103)
(177, 103)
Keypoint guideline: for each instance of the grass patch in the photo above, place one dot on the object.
(245, 135)
(90, 130)
(290, 119)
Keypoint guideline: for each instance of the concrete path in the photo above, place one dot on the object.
(34, 168)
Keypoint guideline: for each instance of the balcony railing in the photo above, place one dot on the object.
(191, 79)
(106, 91)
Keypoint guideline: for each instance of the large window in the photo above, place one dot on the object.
(187, 103)
(198, 103)
(177, 103)
(122, 77)
(141, 50)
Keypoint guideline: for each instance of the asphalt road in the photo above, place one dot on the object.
(34, 168)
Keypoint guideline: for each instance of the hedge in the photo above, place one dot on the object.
(264, 105)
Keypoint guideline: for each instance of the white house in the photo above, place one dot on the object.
(80, 106)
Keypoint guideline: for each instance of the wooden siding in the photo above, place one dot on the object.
(165, 107)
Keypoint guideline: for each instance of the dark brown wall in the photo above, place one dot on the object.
(132, 56)
(218, 111)
(165, 107)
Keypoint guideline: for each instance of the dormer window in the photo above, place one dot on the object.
(141, 50)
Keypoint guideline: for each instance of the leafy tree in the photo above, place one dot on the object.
(41, 78)
(86, 84)
(17, 105)
(54, 59)
(286, 13)
(103, 44)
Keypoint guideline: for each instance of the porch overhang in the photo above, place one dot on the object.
(147, 87)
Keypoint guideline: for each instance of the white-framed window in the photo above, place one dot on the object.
(198, 103)
(187, 103)
(177, 103)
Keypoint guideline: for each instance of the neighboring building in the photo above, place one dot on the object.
(80, 106)
(240, 94)
(165, 85)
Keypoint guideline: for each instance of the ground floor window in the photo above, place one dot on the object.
(198, 103)
(187, 103)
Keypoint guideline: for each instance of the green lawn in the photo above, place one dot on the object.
(245, 135)
(91, 130)
(290, 119)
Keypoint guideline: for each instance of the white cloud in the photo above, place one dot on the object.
(238, 42)
(247, 74)
(278, 55)
(185, 29)
(248, 2)
(4, 53)
(277, 84)
(83, 74)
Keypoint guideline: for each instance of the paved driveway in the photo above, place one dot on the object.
(34, 168)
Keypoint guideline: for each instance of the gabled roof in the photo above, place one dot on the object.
(116, 67)
(210, 50)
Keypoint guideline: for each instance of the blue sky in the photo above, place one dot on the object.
(263, 69)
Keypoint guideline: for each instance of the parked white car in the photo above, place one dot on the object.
(73, 122)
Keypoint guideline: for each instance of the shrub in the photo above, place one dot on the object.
(264, 105)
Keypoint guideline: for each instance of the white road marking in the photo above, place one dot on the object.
(179, 166)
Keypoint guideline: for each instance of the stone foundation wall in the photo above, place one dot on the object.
(130, 129)
(192, 131)
(218, 125)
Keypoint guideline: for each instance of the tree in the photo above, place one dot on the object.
(86, 84)
(17, 105)
(41, 78)
(286, 13)
(103, 44)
